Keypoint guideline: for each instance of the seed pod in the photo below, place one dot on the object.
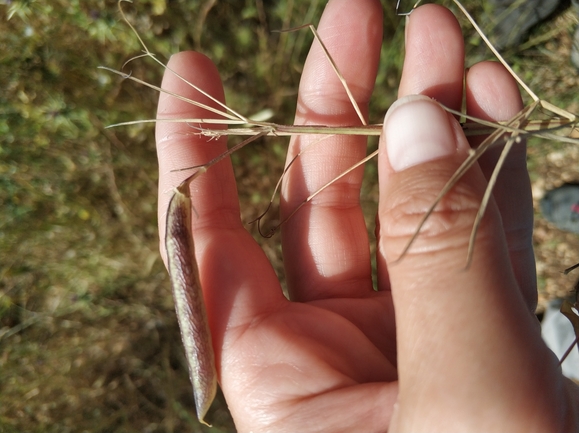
(189, 302)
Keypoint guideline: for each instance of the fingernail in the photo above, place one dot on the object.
(417, 130)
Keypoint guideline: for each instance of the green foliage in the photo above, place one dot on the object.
(88, 338)
(78, 225)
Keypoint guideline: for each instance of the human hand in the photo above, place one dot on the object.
(468, 355)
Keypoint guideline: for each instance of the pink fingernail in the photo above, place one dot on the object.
(417, 130)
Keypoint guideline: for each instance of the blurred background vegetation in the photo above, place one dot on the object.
(88, 336)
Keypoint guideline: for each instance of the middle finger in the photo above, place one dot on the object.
(326, 249)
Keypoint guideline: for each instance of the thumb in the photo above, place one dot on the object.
(467, 344)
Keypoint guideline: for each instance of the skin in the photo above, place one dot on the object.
(463, 351)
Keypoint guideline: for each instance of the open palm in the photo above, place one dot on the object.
(327, 359)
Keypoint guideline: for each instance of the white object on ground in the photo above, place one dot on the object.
(557, 332)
